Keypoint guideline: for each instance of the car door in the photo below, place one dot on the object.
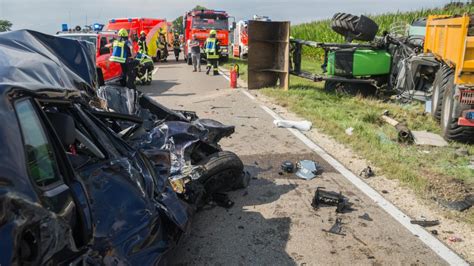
(103, 55)
(115, 70)
(52, 178)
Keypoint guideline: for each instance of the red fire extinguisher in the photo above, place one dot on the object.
(234, 75)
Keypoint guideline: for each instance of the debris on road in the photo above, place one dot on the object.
(434, 232)
(300, 125)
(367, 172)
(454, 239)
(459, 205)
(336, 228)
(366, 217)
(288, 167)
(423, 138)
(350, 131)
(425, 223)
(222, 200)
(307, 169)
(322, 197)
(404, 133)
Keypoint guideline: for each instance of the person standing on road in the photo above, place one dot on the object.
(195, 53)
(142, 46)
(123, 53)
(212, 48)
(162, 46)
(176, 46)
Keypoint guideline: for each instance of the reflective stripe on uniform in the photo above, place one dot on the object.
(118, 53)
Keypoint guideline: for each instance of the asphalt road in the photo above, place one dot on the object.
(272, 221)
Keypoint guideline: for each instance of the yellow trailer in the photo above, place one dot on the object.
(451, 40)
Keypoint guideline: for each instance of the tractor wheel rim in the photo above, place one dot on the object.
(446, 113)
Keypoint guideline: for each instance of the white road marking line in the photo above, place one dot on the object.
(154, 71)
(432, 242)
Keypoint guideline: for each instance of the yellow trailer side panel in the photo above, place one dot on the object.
(446, 38)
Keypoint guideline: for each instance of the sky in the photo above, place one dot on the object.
(48, 15)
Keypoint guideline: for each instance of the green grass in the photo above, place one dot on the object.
(321, 31)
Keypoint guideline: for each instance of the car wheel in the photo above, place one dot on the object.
(223, 171)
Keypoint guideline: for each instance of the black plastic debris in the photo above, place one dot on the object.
(336, 228)
(287, 167)
(366, 217)
(222, 200)
(425, 223)
(367, 172)
(460, 205)
(322, 197)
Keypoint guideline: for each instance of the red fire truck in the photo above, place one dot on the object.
(200, 22)
(240, 47)
(134, 26)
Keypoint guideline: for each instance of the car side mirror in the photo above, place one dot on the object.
(104, 50)
(234, 25)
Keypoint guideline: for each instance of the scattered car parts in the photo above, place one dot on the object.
(322, 197)
(336, 228)
(307, 169)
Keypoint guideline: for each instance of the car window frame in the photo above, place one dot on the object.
(59, 163)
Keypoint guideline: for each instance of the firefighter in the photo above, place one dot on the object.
(123, 53)
(211, 48)
(162, 46)
(142, 46)
(176, 46)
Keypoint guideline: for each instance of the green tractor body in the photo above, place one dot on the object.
(358, 62)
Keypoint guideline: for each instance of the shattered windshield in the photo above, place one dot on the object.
(210, 22)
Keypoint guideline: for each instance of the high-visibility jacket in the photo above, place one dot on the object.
(211, 47)
(142, 47)
(119, 54)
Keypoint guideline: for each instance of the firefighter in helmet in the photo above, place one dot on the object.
(211, 48)
(176, 46)
(123, 53)
(142, 46)
(162, 45)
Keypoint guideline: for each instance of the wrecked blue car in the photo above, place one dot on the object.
(72, 189)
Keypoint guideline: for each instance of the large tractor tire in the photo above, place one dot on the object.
(451, 111)
(223, 171)
(353, 27)
(444, 76)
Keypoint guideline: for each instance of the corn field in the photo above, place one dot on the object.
(321, 31)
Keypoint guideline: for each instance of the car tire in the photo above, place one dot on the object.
(451, 111)
(353, 27)
(223, 171)
(444, 76)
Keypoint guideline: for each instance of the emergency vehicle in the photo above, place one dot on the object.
(200, 22)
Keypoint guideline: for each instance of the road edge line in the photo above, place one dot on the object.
(438, 247)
